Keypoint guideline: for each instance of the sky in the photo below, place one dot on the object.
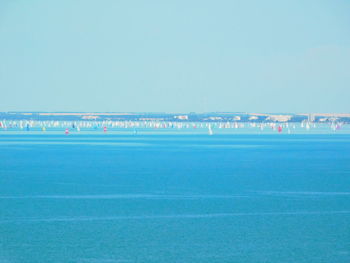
(175, 56)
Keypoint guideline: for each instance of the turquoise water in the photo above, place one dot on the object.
(174, 198)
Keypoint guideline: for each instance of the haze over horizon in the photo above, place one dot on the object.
(175, 56)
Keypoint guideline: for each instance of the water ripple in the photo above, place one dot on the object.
(181, 216)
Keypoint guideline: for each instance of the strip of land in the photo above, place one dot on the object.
(179, 117)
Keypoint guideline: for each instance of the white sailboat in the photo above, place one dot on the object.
(210, 131)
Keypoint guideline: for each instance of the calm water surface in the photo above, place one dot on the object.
(175, 198)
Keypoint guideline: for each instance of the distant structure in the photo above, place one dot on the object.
(181, 117)
(89, 117)
(311, 117)
(279, 118)
(253, 118)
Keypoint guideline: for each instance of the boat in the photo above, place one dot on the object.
(307, 126)
(210, 131)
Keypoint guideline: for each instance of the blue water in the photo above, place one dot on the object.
(175, 198)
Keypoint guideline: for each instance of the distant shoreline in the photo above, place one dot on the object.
(179, 117)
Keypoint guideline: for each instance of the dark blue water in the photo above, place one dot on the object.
(175, 198)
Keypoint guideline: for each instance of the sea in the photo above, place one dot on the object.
(174, 197)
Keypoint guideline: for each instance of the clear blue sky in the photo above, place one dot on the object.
(175, 55)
